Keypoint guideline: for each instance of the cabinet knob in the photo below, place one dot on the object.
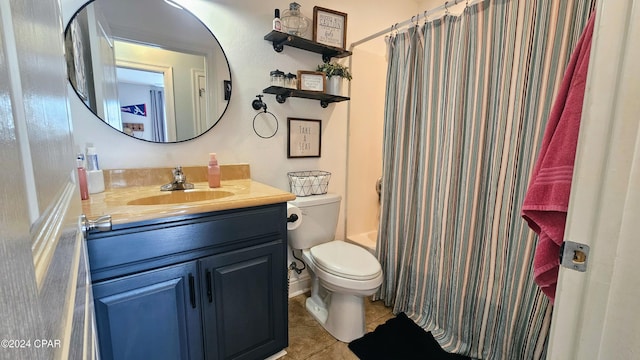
(103, 223)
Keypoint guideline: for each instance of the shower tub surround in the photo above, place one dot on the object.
(367, 240)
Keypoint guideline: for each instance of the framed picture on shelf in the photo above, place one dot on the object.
(303, 138)
(311, 80)
(329, 27)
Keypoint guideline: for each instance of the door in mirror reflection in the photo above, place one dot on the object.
(179, 72)
(141, 94)
(105, 37)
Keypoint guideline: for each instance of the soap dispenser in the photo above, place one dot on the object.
(213, 171)
(82, 177)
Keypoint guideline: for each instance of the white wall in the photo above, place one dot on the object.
(428, 5)
(240, 27)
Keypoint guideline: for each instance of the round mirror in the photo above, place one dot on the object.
(148, 68)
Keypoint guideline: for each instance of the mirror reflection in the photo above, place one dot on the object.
(148, 68)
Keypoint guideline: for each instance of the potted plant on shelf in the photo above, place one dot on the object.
(335, 74)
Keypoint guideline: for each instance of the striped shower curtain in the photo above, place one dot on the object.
(466, 105)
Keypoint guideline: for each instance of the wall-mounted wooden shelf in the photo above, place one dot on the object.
(282, 93)
(279, 39)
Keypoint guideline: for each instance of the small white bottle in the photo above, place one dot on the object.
(95, 177)
(213, 171)
(277, 23)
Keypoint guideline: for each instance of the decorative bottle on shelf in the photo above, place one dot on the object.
(293, 22)
(82, 177)
(213, 171)
(277, 23)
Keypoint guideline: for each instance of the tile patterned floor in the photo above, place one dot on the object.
(308, 340)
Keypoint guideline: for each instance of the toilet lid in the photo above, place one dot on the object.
(346, 260)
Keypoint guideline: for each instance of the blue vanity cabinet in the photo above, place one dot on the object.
(242, 298)
(205, 286)
(152, 315)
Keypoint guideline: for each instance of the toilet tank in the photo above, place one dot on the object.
(319, 220)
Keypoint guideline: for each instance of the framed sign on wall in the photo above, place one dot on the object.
(303, 138)
(311, 80)
(329, 27)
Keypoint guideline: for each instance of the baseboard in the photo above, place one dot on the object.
(299, 285)
(277, 355)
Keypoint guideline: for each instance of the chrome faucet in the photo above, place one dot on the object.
(179, 181)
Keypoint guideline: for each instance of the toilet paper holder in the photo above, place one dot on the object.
(294, 217)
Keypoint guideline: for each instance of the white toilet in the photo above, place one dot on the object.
(342, 274)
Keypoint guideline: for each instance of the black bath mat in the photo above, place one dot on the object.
(400, 339)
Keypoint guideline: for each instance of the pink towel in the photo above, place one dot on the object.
(547, 200)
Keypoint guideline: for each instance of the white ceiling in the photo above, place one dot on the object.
(156, 22)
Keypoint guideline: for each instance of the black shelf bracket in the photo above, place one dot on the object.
(278, 43)
(282, 98)
(278, 47)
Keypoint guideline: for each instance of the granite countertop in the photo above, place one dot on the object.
(124, 186)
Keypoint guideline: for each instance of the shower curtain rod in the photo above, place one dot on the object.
(414, 19)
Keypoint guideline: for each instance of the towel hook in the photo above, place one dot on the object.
(258, 104)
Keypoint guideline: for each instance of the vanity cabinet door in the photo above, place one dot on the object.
(150, 315)
(244, 302)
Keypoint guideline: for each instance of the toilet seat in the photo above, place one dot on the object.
(345, 260)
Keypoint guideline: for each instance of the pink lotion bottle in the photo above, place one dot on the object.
(82, 177)
(213, 171)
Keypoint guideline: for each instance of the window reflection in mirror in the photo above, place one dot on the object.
(107, 53)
